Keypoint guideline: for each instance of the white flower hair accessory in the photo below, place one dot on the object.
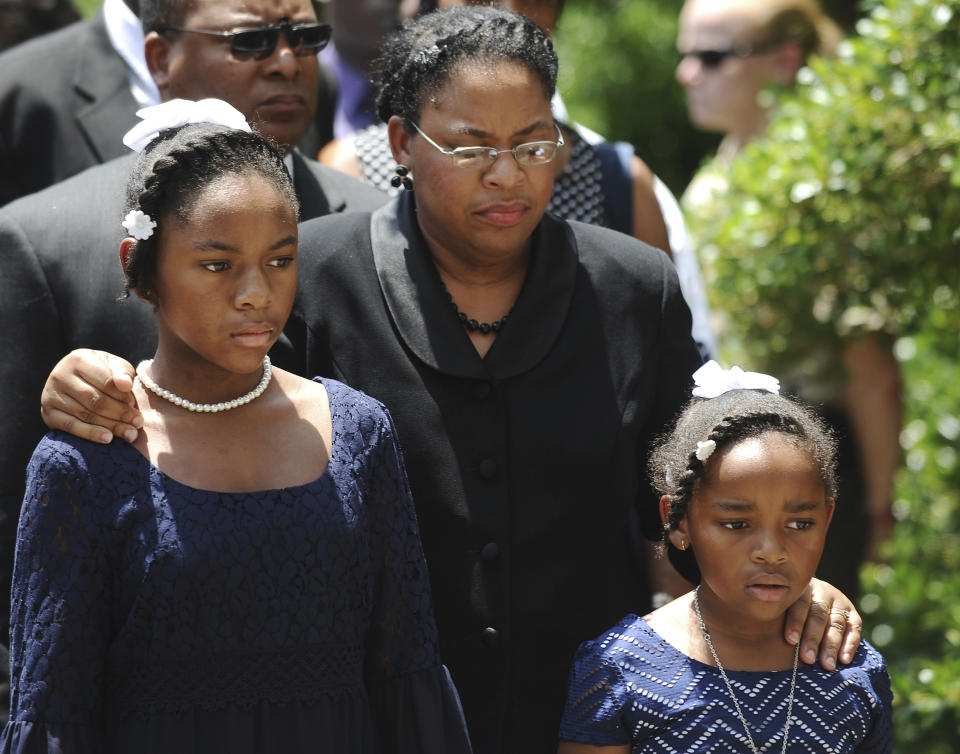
(705, 449)
(138, 224)
(712, 380)
(180, 112)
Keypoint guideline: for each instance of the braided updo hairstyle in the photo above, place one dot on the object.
(175, 167)
(417, 60)
(727, 419)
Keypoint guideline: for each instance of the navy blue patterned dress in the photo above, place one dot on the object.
(149, 616)
(631, 686)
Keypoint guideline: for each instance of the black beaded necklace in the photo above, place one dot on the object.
(484, 328)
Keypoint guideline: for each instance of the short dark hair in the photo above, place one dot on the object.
(418, 58)
(429, 6)
(176, 166)
(727, 419)
(155, 14)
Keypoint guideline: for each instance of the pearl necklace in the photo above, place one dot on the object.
(716, 659)
(209, 408)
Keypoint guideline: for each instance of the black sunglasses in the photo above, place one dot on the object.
(713, 58)
(260, 42)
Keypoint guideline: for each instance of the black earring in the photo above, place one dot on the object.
(402, 178)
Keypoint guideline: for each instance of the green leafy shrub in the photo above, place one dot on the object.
(844, 220)
(911, 604)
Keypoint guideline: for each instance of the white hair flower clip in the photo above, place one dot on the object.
(138, 224)
(712, 380)
(180, 112)
(705, 449)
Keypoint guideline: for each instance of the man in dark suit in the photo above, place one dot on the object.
(66, 100)
(58, 247)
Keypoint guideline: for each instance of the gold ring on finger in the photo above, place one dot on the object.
(839, 611)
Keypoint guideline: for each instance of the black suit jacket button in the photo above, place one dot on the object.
(491, 637)
(488, 468)
(490, 551)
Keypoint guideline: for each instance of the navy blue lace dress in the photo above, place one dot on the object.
(149, 616)
(631, 686)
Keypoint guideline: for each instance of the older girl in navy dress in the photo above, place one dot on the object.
(247, 576)
(747, 483)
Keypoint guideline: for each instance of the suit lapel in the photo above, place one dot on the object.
(108, 110)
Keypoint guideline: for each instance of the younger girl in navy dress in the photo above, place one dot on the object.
(747, 482)
(247, 576)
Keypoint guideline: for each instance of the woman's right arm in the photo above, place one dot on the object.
(61, 602)
(89, 394)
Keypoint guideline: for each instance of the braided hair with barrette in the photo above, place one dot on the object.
(172, 171)
(676, 466)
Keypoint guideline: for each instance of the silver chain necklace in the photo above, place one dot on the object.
(209, 408)
(723, 673)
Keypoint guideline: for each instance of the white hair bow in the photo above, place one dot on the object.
(180, 112)
(712, 380)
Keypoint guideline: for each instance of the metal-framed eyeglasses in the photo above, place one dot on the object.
(259, 42)
(528, 154)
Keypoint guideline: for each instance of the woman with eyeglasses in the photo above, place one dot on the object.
(528, 363)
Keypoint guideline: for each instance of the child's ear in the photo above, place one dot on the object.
(127, 246)
(665, 501)
(678, 537)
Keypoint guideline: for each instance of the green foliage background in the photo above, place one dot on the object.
(844, 220)
(87, 7)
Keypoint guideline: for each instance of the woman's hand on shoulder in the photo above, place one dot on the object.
(829, 623)
(89, 394)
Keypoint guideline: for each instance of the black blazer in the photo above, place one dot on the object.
(65, 104)
(60, 277)
(527, 466)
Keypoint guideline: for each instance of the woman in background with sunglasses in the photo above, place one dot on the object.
(730, 50)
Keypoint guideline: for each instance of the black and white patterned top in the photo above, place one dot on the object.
(630, 686)
(577, 191)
